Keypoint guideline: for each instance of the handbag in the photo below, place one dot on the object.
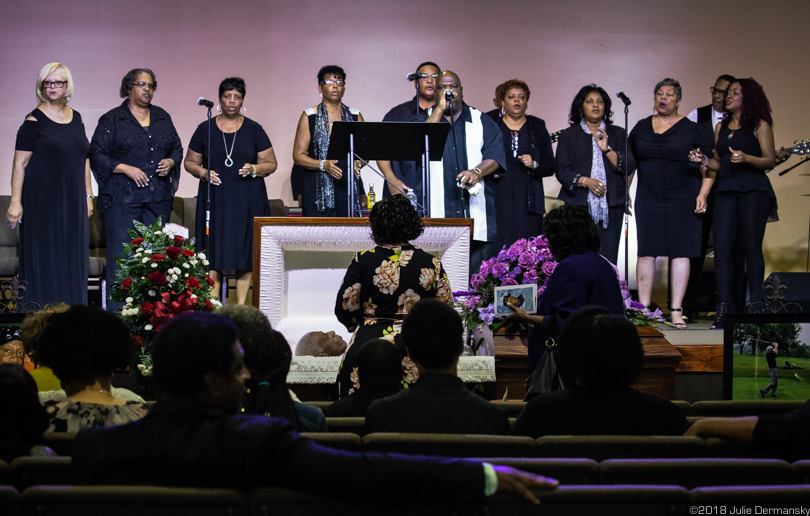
(546, 376)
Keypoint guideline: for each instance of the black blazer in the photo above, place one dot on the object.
(574, 158)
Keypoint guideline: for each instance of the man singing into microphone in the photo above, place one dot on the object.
(473, 151)
(404, 173)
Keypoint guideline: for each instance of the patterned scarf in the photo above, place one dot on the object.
(324, 183)
(597, 206)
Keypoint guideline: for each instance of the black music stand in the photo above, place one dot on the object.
(394, 141)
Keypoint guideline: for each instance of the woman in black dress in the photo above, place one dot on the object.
(135, 154)
(745, 199)
(591, 169)
(671, 194)
(241, 157)
(324, 192)
(519, 193)
(51, 180)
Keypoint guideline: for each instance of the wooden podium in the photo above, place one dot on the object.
(299, 264)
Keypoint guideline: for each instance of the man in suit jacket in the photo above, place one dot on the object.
(438, 402)
(192, 437)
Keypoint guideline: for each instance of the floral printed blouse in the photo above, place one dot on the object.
(67, 415)
(380, 287)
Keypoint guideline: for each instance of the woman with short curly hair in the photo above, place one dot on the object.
(382, 284)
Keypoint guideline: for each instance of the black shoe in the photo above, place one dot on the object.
(774, 396)
(719, 317)
(762, 393)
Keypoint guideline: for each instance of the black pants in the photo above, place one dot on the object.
(117, 220)
(611, 236)
(739, 215)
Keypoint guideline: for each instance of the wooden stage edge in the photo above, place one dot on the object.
(662, 361)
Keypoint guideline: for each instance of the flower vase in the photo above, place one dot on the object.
(482, 342)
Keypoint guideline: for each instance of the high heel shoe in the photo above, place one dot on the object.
(719, 317)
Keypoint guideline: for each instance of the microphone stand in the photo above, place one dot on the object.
(208, 201)
(465, 194)
(626, 195)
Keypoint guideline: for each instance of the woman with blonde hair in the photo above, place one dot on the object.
(50, 180)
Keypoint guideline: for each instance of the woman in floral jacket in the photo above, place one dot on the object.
(382, 284)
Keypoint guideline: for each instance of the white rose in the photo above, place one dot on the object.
(193, 296)
(201, 256)
(151, 292)
(186, 275)
(148, 327)
(144, 260)
(205, 262)
(167, 230)
(193, 262)
(129, 300)
(174, 277)
(154, 265)
(158, 232)
(143, 277)
(187, 266)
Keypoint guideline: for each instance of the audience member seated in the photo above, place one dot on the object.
(320, 344)
(603, 353)
(192, 437)
(772, 432)
(83, 346)
(30, 331)
(11, 347)
(379, 367)
(22, 418)
(48, 384)
(438, 402)
(268, 357)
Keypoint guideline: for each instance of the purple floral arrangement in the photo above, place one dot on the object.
(524, 262)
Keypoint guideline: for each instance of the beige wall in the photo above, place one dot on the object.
(278, 46)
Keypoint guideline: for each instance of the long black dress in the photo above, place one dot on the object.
(53, 252)
(519, 195)
(668, 186)
(236, 201)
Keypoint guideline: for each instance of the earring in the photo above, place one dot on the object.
(503, 111)
(604, 117)
(219, 109)
(243, 111)
(321, 94)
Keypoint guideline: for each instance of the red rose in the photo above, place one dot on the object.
(138, 340)
(126, 284)
(158, 257)
(173, 252)
(179, 239)
(209, 280)
(208, 305)
(147, 308)
(193, 282)
(137, 241)
(188, 253)
(158, 278)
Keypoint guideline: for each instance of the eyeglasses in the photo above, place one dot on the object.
(424, 76)
(715, 91)
(329, 82)
(143, 85)
(53, 84)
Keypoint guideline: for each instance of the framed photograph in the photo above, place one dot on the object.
(521, 296)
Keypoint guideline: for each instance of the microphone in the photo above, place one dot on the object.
(624, 98)
(449, 95)
(202, 101)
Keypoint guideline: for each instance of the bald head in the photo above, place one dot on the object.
(449, 81)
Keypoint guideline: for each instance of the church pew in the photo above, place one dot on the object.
(691, 473)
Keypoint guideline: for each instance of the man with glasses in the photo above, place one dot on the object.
(404, 173)
(707, 118)
(473, 151)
